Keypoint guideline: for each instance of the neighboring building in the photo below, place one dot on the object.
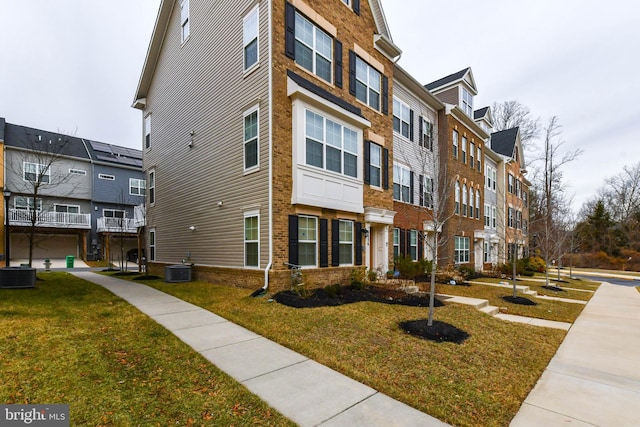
(268, 140)
(508, 145)
(462, 164)
(415, 165)
(53, 175)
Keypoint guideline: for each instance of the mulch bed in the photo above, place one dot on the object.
(519, 300)
(347, 295)
(439, 331)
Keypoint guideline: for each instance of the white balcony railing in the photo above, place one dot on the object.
(116, 225)
(22, 217)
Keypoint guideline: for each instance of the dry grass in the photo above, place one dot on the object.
(480, 382)
(69, 341)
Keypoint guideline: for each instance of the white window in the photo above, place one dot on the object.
(35, 172)
(477, 204)
(518, 220)
(368, 84)
(375, 165)
(457, 195)
(67, 208)
(413, 244)
(250, 38)
(77, 171)
(511, 219)
(137, 186)
(401, 183)
(396, 243)
(472, 154)
(251, 139)
(147, 131)
(464, 149)
(347, 2)
(152, 245)
(330, 145)
(152, 187)
(427, 190)
(184, 20)
(511, 187)
(401, 118)
(455, 144)
(479, 159)
(471, 203)
(461, 250)
(26, 203)
(114, 213)
(465, 196)
(314, 48)
(107, 177)
(487, 252)
(494, 177)
(494, 217)
(251, 240)
(427, 134)
(346, 242)
(467, 102)
(487, 215)
(490, 174)
(307, 241)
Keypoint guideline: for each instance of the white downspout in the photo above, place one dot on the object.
(270, 207)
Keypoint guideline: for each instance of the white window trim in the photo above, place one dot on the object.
(314, 50)
(251, 214)
(427, 192)
(26, 204)
(368, 86)
(38, 172)
(185, 21)
(398, 178)
(151, 182)
(315, 241)
(106, 177)
(487, 215)
(477, 204)
(153, 244)
(374, 146)
(253, 168)
(412, 238)
(464, 149)
(347, 242)
(396, 242)
(427, 133)
(462, 250)
(142, 186)
(403, 108)
(245, 43)
(456, 147)
(146, 124)
(55, 206)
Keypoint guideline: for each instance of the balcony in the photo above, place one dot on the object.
(23, 217)
(116, 225)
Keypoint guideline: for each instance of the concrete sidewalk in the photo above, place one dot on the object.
(594, 378)
(306, 392)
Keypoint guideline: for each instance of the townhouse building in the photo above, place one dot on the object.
(58, 185)
(268, 139)
(462, 166)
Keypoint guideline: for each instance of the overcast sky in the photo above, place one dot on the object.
(73, 66)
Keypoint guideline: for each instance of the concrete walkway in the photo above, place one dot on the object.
(594, 378)
(305, 391)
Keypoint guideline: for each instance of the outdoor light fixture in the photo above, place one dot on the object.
(7, 242)
(220, 203)
(192, 228)
(365, 232)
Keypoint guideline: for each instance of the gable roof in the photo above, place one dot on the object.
(40, 140)
(464, 75)
(504, 142)
(382, 40)
(481, 113)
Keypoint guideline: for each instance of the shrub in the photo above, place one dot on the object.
(334, 290)
(537, 264)
(410, 269)
(372, 276)
(358, 278)
(468, 272)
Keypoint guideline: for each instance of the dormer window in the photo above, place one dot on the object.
(467, 102)
(184, 20)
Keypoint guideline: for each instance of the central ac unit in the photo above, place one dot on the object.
(177, 273)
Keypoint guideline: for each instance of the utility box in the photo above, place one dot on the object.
(177, 273)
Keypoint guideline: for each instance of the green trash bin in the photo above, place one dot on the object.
(70, 259)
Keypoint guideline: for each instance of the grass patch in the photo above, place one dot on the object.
(481, 381)
(70, 341)
(545, 309)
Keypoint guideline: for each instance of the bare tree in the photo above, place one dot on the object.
(511, 114)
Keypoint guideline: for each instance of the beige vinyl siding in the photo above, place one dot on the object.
(450, 96)
(200, 87)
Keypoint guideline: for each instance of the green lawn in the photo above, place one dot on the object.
(69, 341)
(480, 382)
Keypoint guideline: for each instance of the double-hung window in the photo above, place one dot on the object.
(464, 149)
(471, 202)
(396, 243)
(152, 187)
(25, 203)
(494, 217)
(472, 155)
(401, 118)
(487, 215)
(511, 185)
(477, 204)
(346, 242)
(368, 84)
(137, 186)
(74, 209)
(250, 138)
(313, 48)
(35, 172)
(455, 144)
(152, 245)
(467, 102)
(184, 20)
(427, 134)
(307, 240)
(457, 198)
(250, 38)
(465, 196)
(479, 159)
(375, 165)
(427, 192)
(401, 183)
(251, 240)
(413, 244)
(511, 218)
(330, 145)
(147, 131)
(461, 250)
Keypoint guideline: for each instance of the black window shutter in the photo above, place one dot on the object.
(356, 6)
(358, 243)
(420, 246)
(290, 30)
(421, 190)
(352, 73)
(335, 242)
(403, 242)
(324, 243)
(293, 239)
(411, 125)
(421, 140)
(411, 187)
(367, 162)
(385, 95)
(337, 62)
(385, 168)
